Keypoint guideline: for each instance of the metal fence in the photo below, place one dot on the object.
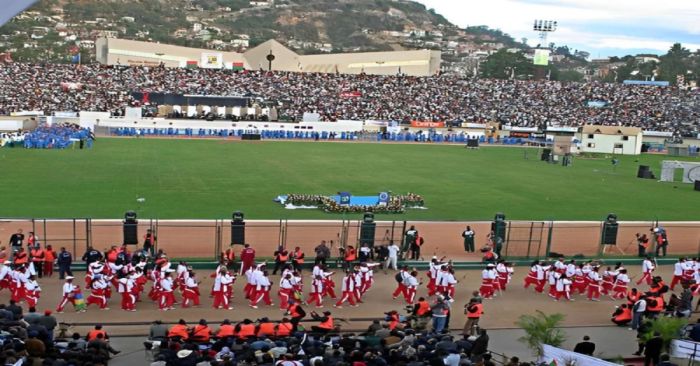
(206, 239)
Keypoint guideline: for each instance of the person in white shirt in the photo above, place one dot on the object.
(68, 293)
(620, 287)
(563, 287)
(98, 290)
(393, 258)
(411, 283)
(262, 291)
(167, 298)
(638, 310)
(435, 266)
(488, 276)
(647, 268)
(347, 286)
(286, 290)
(593, 279)
(126, 288)
(32, 291)
(190, 291)
(678, 270)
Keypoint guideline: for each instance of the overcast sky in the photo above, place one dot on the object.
(602, 27)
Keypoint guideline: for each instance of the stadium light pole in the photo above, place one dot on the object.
(544, 27)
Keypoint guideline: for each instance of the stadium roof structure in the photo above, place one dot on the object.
(114, 51)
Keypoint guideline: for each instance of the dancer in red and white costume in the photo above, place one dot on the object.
(347, 286)
(435, 266)
(125, 288)
(594, 282)
(223, 283)
(167, 297)
(647, 268)
(563, 288)
(679, 269)
(580, 281)
(552, 277)
(190, 292)
(488, 276)
(620, 285)
(5, 275)
(68, 293)
(98, 292)
(367, 276)
(401, 285)
(316, 294)
(262, 291)
(412, 284)
(358, 277)
(32, 291)
(608, 281)
(20, 278)
(286, 289)
(531, 278)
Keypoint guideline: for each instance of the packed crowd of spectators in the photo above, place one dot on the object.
(378, 346)
(11, 139)
(56, 87)
(28, 338)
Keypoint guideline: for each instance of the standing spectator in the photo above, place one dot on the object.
(49, 259)
(32, 240)
(16, 242)
(473, 310)
(409, 238)
(323, 253)
(247, 258)
(393, 256)
(661, 240)
(38, 256)
(281, 257)
(91, 255)
(439, 310)
(642, 244)
(297, 259)
(586, 347)
(149, 242)
(638, 310)
(652, 350)
(415, 247)
(468, 236)
(65, 259)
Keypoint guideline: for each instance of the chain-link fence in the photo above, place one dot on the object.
(207, 239)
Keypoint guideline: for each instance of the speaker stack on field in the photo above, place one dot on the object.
(645, 173)
(610, 226)
(545, 154)
(697, 185)
(130, 228)
(237, 228)
(498, 226)
(367, 229)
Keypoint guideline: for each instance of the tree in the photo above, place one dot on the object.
(503, 64)
(674, 63)
(668, 328)
(541, 329)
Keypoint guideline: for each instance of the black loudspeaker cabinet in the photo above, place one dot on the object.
(367, 230)
(473, 143)
(237, 232)
(545, 154)
(697, 185)
(609, 235)
(643, 171)
(131, 232)
(499, 229)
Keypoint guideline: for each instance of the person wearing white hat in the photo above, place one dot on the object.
(69, 290)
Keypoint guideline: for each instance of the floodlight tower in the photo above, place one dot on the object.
(543, 27)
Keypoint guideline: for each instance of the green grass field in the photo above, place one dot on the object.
(208, 179)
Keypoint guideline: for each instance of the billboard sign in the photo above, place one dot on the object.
(541, 57)
(212, 60)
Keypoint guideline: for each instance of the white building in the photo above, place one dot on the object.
(610, 140)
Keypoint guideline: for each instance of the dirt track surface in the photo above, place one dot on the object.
(501, 312)
(198, 239)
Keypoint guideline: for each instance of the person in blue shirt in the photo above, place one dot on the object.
(65, 259)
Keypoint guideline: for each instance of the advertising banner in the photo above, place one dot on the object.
(422, 124)
(212, 60)
(541, 57)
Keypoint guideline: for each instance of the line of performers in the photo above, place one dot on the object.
(20, 280)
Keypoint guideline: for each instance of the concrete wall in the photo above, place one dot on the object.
(601, 143)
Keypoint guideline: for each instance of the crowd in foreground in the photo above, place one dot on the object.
(29, 339)
(38, 87)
